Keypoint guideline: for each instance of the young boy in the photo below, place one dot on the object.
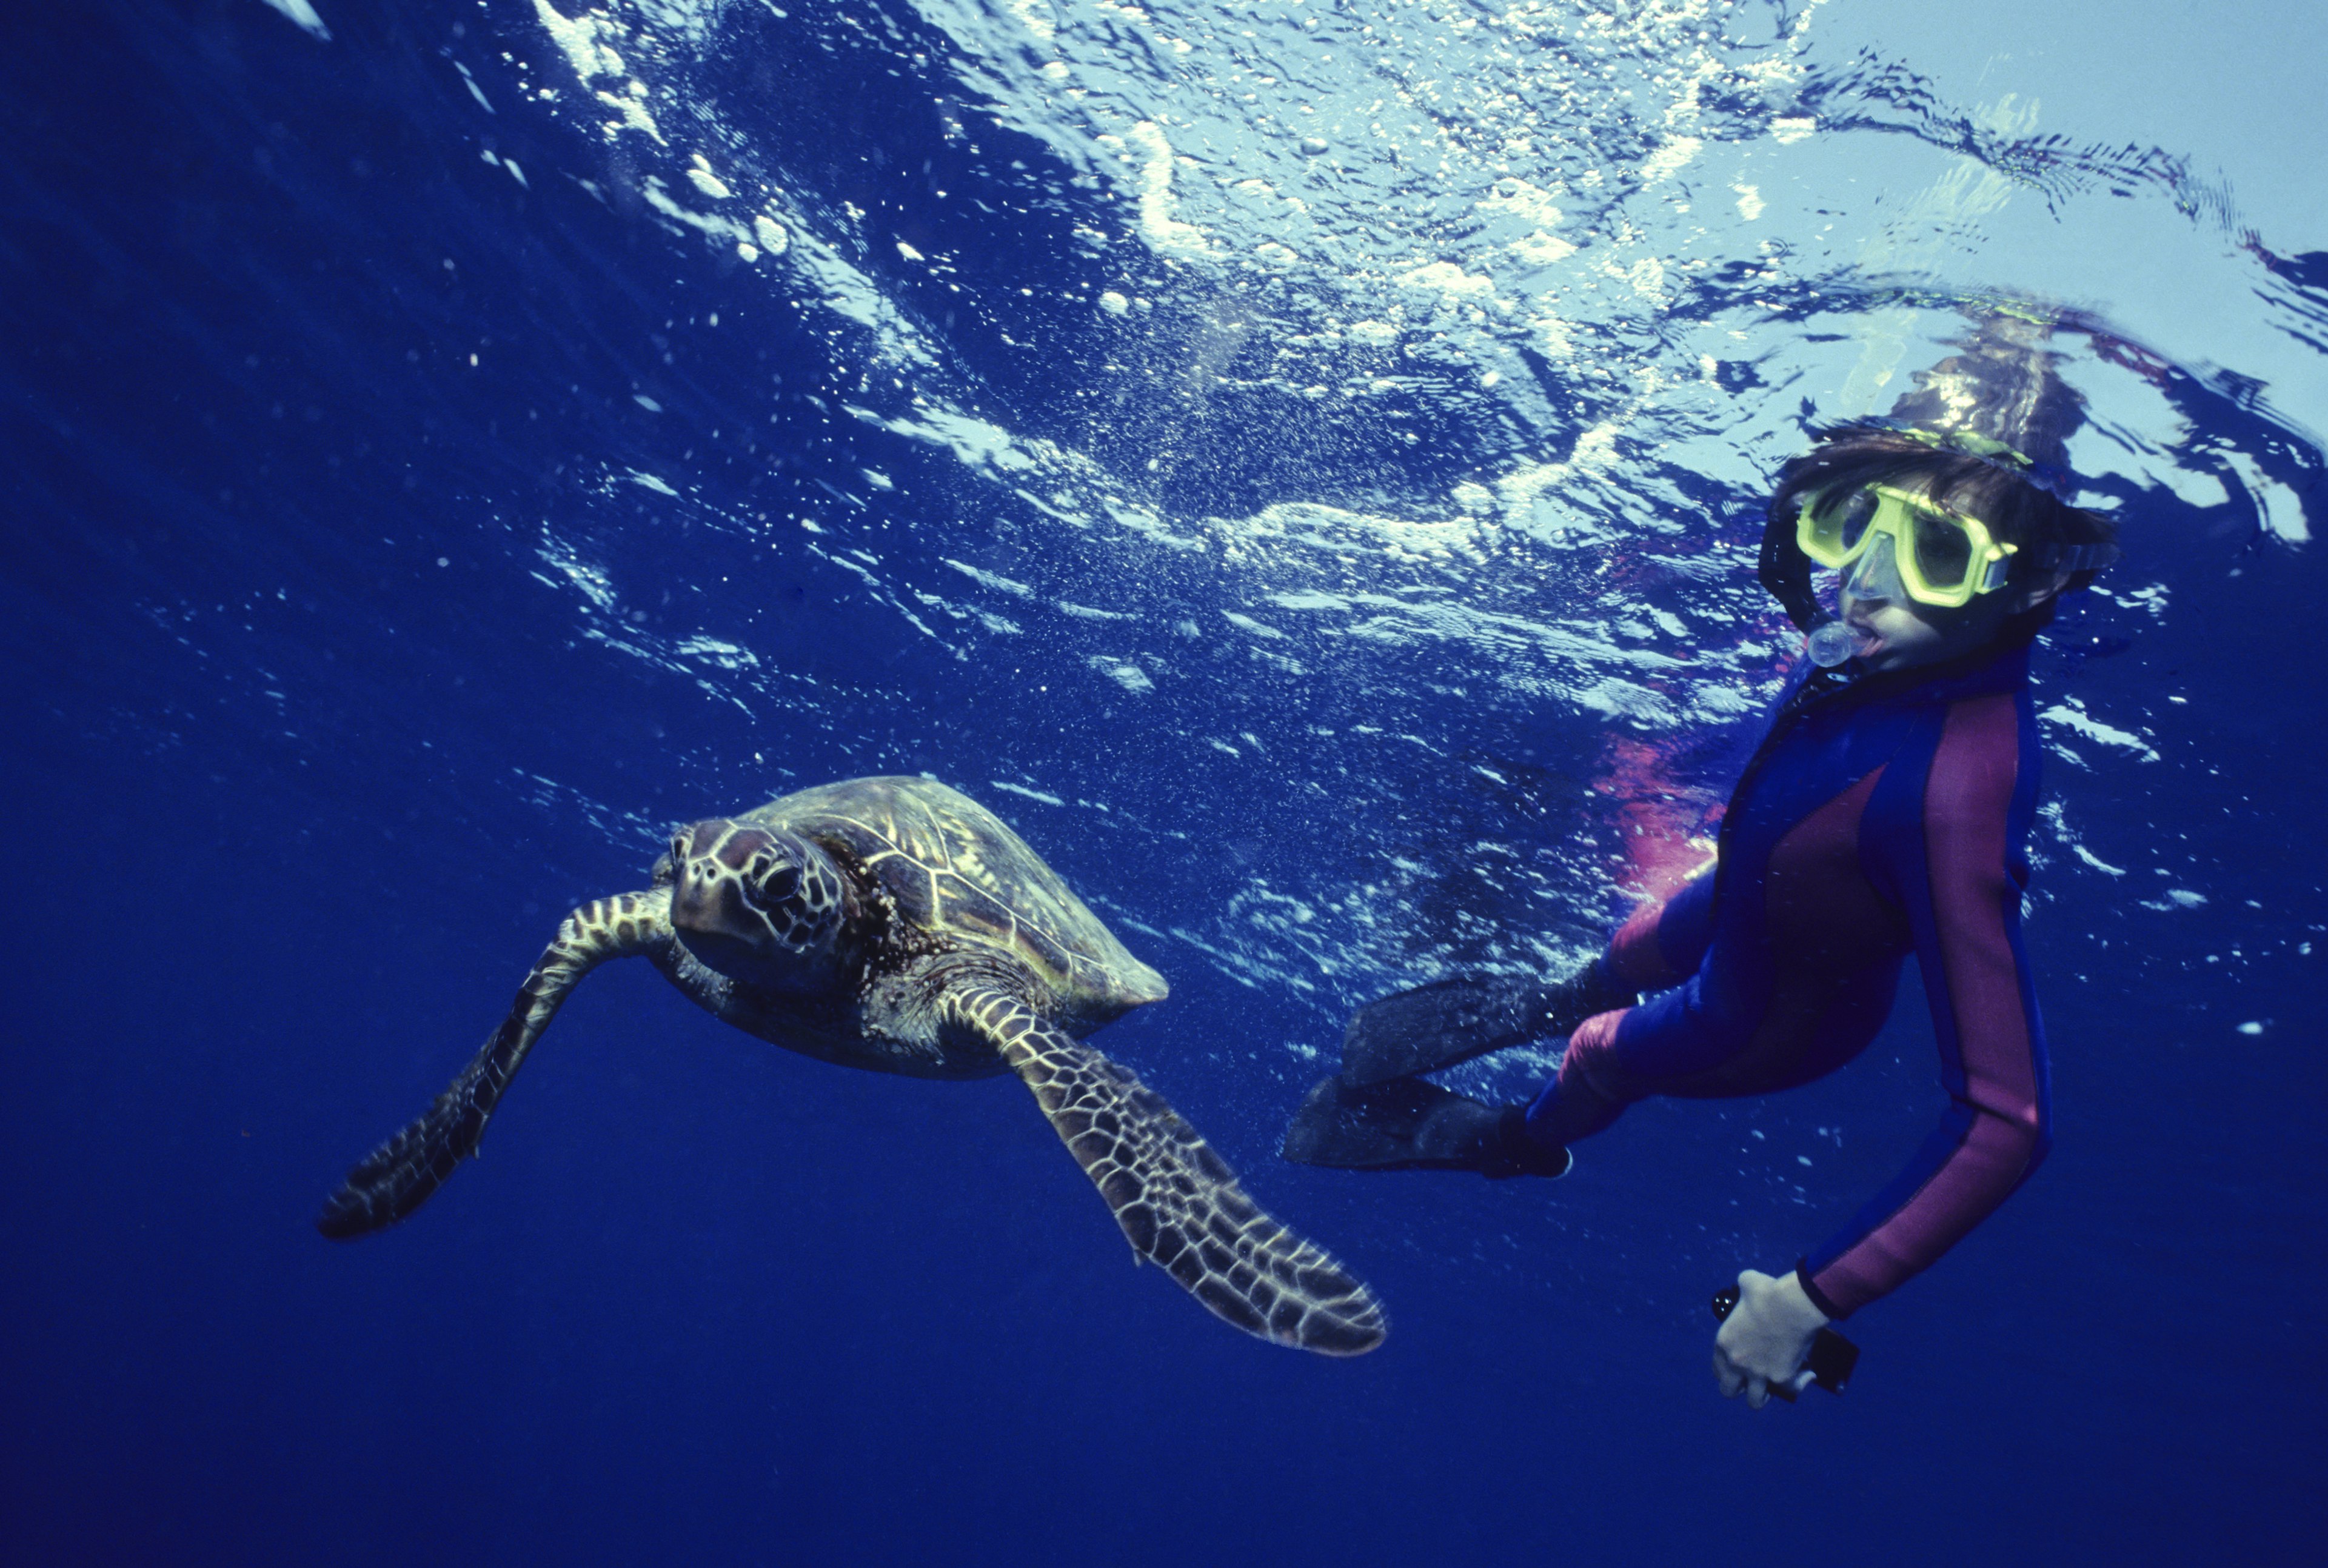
(1882, 814)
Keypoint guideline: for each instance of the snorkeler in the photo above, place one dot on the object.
(1883, 813)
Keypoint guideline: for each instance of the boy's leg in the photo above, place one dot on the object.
(1573, 1105)
(1661, 944)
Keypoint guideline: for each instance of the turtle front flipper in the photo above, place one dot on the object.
(1177, 1201)
(399, 1176)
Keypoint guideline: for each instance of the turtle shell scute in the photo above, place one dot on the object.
(952, 868)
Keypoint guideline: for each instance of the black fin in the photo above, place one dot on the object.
(1409, 1124)
(1453, 1021)
(1401, 1125)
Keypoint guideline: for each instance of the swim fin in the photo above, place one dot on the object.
(1453, 1021)
(1408, 1124)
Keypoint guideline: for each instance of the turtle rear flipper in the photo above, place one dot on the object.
(397, 1177)
(1179, 1202)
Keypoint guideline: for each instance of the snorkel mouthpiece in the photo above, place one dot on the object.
(1873, 578)
(1835, 643)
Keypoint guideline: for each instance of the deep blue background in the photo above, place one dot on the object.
(270, 881)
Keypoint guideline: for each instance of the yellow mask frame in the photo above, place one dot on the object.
(1944, 558)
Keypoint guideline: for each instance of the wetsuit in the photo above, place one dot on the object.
(1881, 815)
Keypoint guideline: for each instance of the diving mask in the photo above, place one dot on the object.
(1935, 556)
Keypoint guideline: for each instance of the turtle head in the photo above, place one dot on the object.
(757, 903)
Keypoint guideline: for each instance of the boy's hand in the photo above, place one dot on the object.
(1764, 1340)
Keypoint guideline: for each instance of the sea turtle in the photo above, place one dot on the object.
(895, 924)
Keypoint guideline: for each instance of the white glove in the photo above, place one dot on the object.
(1764, 1341)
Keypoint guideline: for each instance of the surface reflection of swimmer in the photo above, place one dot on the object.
(1882, 814)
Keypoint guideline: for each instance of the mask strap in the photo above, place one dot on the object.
(1785, 572)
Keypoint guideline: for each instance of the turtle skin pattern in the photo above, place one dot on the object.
(1178, 1202)
(399, 1176)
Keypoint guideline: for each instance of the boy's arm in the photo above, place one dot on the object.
(1960, 877)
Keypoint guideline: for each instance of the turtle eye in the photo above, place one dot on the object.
(763, 891)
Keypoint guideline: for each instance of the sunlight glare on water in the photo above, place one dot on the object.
(1405, 392)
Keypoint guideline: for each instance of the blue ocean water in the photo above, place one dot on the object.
(1300, 464)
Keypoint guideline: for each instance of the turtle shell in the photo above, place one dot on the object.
(952, 869)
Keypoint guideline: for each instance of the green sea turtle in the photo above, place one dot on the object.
(896, 924)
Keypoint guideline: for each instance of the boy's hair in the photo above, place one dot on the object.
(1996, 489)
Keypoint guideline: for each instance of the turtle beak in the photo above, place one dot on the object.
(716, 904)
(705, 907)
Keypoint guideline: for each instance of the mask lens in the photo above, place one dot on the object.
(1833, 528)
(1943, 550)
(1852, 515)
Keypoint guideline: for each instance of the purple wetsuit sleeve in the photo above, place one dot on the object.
(1956, 872)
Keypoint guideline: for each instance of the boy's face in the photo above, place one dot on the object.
(1904, 633)
(1901, 634)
